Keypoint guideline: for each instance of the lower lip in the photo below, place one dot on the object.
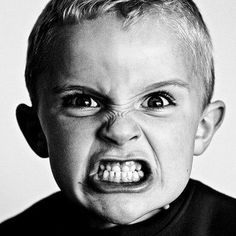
(109, 187)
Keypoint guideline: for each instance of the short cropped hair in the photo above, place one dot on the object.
(182, 16)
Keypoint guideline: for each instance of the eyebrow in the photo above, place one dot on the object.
(82, 89)
(175, 82)
(65, 88)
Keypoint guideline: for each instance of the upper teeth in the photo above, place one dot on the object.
(129, 171)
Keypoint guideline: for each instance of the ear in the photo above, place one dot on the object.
(211, 120)
(28, 121)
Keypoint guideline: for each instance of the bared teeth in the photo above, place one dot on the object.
(116, 168)
(102, 167)
(141, 174)
(111, 176)
(117, 177)
(129, 171)
(108, 167)
(105, 175)
(125, 168)
(138, 166)
(135, 176)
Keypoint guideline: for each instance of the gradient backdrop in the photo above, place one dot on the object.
(25, 178)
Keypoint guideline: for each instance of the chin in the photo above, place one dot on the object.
(121, 217)
(122, 210)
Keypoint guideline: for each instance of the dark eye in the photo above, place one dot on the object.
(158, 100)
(81, 101)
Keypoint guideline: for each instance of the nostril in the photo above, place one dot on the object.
(135, 137)
(112, 140)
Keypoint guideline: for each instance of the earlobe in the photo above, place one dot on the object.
(30, 126)
(211, 120)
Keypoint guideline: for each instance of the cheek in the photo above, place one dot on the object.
(172, 141)
(70, 142)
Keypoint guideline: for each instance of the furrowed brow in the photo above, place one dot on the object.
(177, 83)
(80, 89)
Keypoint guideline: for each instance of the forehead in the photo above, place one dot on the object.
(103, 54)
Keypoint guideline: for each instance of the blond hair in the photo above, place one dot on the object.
(182, 15)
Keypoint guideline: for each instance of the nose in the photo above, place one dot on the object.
(120, 131)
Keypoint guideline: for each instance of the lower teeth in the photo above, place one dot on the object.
(119, 177)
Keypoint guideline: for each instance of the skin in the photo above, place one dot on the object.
(120, 69)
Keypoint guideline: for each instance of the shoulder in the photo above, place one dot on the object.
(212, 196)
(215, 210)
(42, 206)
(41, 214)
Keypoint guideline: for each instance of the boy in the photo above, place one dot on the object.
(121, 101)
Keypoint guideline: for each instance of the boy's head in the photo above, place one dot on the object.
(121, 96)
(182, 17)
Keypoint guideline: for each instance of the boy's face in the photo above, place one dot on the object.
(120, 106)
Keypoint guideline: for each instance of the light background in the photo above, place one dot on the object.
(25, 178)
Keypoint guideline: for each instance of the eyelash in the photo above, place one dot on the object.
(160, 95)
(71, 100)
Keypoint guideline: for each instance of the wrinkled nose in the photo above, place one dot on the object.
(120, 131)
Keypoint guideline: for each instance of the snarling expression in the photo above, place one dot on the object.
(120, 113)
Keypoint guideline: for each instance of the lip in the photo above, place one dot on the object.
(107, 187)
(111, 187)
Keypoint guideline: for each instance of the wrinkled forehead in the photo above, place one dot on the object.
(102, 52)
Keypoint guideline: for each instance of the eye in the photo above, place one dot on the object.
(80, 101)
(158, 100)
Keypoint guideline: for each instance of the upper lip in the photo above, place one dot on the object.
(121, 156)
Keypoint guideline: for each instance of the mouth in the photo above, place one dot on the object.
(121, 176)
